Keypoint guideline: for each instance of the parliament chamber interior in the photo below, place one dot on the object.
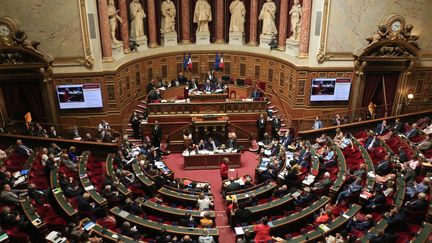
(215, 121)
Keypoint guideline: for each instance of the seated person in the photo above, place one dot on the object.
(112, 196)
(131, 207)
(419, 204)
(352, 189)
(402, 155)
(381, 128)
(396, 220)
(304, 198)
(201, 145)
(377, 201)
(281, 191)
(231, 143)
(8, 196)
(418, 188)
(384, 166)
(371, 142)
(208, 86)
(187, 220)
(193, 84)
(132, 232)
(360, 225)
(39, 196)
(324, 217)
(54, 149)
(12, 219)
(428, 129)
(345, 142)
(398, 126)
(324, 183)
(204, 202)
(413, 163)
(232, 186)
(72, 154)
(320, 141)
(256, 94)
(409, 175)
(425, 144)
(21, 149)
(412, 132)
(181, 78)
(339, 136)
(68, 163)
(155, 96)
(211, 144)
(206, 221)
(220, 85)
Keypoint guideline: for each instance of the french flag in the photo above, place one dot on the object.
(221, 62)
(189, 62)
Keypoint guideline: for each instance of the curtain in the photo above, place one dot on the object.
(374, 90)
(373, 81)
(32, 93)
(11, 95)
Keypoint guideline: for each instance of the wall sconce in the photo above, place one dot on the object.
(410, 97)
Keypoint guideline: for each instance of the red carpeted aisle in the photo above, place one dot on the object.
(249, 162)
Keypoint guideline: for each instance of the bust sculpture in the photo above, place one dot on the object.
(113, 18)
(137, 16)
(238, 13)
(168, 17)
(295, 12)
(268, 16)
(202, 15)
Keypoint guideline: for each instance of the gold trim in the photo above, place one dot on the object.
(322, 55)
(87, 60)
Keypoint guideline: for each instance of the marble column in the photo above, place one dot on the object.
(305, 28)
(124, 31)
(253, 23)
(105, 31)
(185, 22)
(151, 17)
(283, 22)
(220, 22)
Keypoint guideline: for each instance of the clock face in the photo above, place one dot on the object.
(396, 26)
(4, 30)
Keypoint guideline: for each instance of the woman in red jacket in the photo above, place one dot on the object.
(262, 232)
(223, 167)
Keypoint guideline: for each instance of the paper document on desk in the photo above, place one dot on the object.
(20, 180)
(239, 231)
(88, 188)
(123, 214)
(324, 227)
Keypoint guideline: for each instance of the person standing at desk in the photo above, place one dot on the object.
(182, 79)
(256, 94)
(151, 86)
(155, 96)
(223, 169)
(276, 125)
(210, 76)
(261, 126)
(156, 134)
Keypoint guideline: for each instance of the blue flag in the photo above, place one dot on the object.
(185, 62)
(216, 63)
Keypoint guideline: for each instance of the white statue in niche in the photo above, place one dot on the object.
(168, 10)
(238, 14)
(137, 15)
(202, 15)
(295, 12)
(113, 18)
(268, 16)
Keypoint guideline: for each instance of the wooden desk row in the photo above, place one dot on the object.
(171, 212)
(59, 195)
(334, 225)
(370, 182)
(228, 107)
(85, 181)
(108, 235)
(179, 197)
(145, 180)
(155, 227)
(342, 165)
(296, 217)
(210, 161)
(110, 172)
(260, 192)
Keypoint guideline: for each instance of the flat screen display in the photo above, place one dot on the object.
(330, 89)
(79, 96)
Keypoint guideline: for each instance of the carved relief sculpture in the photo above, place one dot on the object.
(295, 12)
(202, 15)
(168, 17)
(113, 18)
(137, 15)
(378, 36)
(268, 16)
(238, 14)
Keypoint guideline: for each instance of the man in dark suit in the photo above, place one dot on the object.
(151, 86)
(396, 220)
(155, 96)
(210, 76)
(233, 186)
(412, 132)
(418, 204)
(409, 175)
(256, 93)
(261, 127)
(402, 155)
(231, 143)
(188, 220)
(243, 215)
(376, 202)
(305, 198)
(371, 142)
(381, 128)
(22, 149)
(52, 133)
(209, 86)
(156, 134)
(181, 79)
(276, 125)
(398, 126)
(193, 84)
(383, 167)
